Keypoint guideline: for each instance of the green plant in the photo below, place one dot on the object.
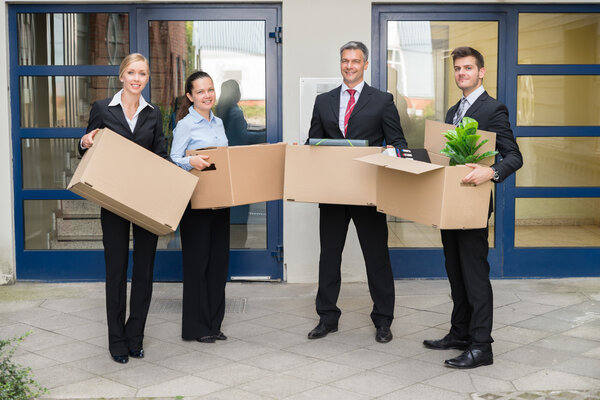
(16, 382)
(462, 146)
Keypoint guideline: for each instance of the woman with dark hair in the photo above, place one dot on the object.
(204, 232)
(130, 115)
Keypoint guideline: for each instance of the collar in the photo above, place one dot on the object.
(358, 87)
(474, 95)
(116, 101)
(197, 118)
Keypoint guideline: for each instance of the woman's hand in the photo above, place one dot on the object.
(199, 161)
(87, 140)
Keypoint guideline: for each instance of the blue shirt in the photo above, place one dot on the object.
(194, 132)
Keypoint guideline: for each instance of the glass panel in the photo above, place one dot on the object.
(559, 161)
(71, 225)
(557, 38)
(62, 101)
(233, 53)
(72, 39)
(557, 100)
(420, 75)
(420, 72)
(49, 163)
(557, 222)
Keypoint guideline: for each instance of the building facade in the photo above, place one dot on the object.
(542, 61)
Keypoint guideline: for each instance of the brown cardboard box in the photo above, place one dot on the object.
(329, 174)
(432, 194)
(133, 182)
(242, 175)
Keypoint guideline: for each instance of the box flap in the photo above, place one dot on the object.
(400, 164)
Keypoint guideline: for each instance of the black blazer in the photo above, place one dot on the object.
(374, 118)
(148, 131)
(493, 116)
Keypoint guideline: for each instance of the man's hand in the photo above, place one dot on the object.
(199, 161)
(480, 174)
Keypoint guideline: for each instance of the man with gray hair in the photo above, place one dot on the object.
(355, 110)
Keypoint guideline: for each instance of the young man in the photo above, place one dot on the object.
(466, 250)
(355, 111)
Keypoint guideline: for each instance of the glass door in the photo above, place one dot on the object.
(234, 47)
(413, 52)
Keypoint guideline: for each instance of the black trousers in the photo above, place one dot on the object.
(124, 336)
(372, 230)
(468, 271)
(205, 245)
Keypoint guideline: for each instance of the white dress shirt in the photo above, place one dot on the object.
(344, 98)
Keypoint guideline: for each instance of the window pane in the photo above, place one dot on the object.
(557, 222)
(559, 38)
(62, 101)
(559, 161)
(72, 39)
(48, 163)
(558, 100)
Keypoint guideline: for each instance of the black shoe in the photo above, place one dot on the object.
(321, 330)
(136, 353)
(383, 334)
(448, 342)
(220, 336)
(121, 359)
(206, 339)
(472, 358)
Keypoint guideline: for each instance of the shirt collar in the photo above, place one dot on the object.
(358, 87)
(116, 101)
(199, 118)
(475, 95)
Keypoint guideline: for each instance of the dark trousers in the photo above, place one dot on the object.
(205, 248)
(468, 271)
(372, 230)
(124, 336)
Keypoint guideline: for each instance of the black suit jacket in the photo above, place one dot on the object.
(148, 131)
(374, 118)
(493, 116)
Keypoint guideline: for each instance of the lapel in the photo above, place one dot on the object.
(363, 99)
(478, 103)
(335, 102)
(143, 115)
(451, 112)
(117, 112)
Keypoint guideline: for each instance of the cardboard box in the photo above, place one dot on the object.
(242, 175)
(330, 174)
(133, 182)
(432, 194)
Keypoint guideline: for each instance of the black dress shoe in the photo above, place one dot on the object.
(206, 339)
(121, 359)
(321, 330)
(220, 336)
(471, 358)
(136, 353)
(384, 334)
(448, 342)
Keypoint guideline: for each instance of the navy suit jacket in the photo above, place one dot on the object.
(148, 131)
(374, 118)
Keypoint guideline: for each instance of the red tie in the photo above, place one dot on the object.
(349, 109)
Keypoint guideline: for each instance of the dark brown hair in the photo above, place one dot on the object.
(465, 51)
(189, 85)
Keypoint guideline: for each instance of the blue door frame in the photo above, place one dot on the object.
(88, 265)
(505, 260)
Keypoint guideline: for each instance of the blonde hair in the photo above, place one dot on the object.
(130, 59)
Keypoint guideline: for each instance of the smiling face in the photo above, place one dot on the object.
(353, 66)
(135, 77)
(203, 96)
(467, 75)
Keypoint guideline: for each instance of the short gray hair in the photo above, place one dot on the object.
(353, 45)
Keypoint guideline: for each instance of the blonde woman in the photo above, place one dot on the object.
(130, 115)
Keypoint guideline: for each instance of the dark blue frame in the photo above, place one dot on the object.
(505, 259)
(88, 265)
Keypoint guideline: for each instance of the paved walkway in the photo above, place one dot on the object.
(547, 344)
